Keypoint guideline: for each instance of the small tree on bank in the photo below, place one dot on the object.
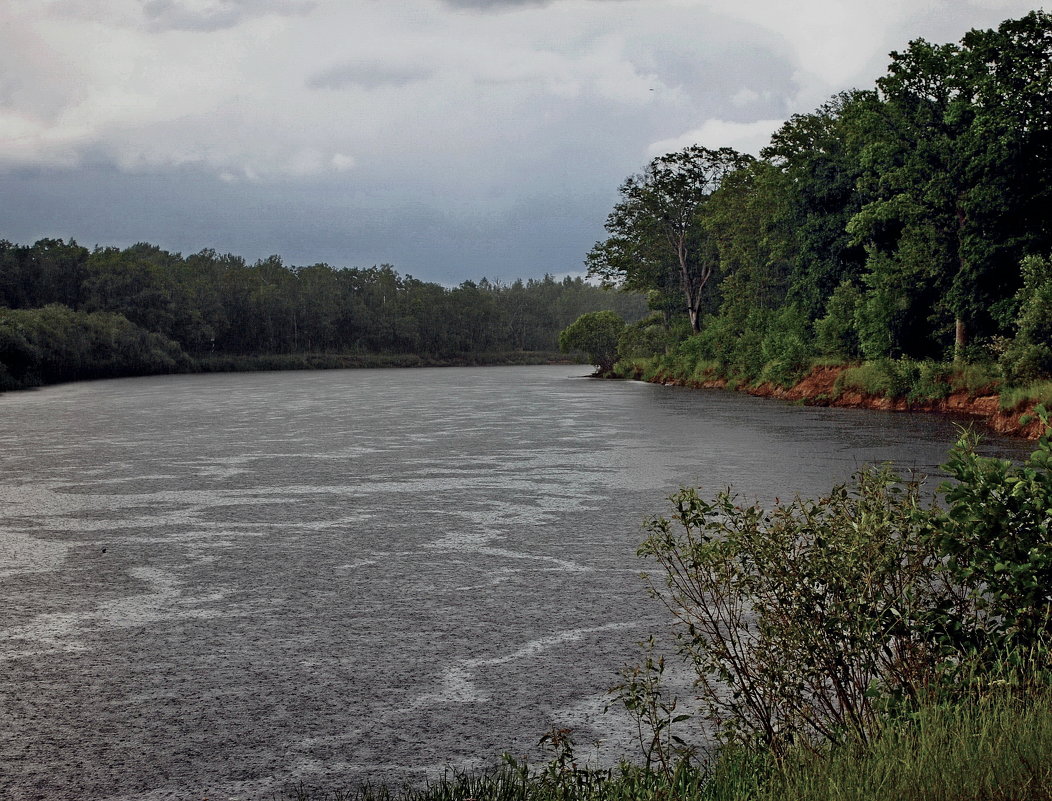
(594, 334)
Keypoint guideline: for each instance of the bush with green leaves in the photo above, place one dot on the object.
(807, 623)
(916, 381)
(596, 335)
(791, 617)
(647, 337)
(995, 542)
(1028, 357)
(787, 346)
(835, 333)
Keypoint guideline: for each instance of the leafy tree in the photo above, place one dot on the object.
(958, 162)
(747, 219)
(817, 157)
(657, 238)
(595, 334)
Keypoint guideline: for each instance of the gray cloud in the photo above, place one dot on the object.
(496, 4)
(368, 75)
(488, 5)
(452, 138)
(221, 15)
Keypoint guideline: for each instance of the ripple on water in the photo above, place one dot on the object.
(223, 585)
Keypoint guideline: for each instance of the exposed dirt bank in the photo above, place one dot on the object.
(819, 388)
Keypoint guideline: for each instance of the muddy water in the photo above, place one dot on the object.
(221, 586)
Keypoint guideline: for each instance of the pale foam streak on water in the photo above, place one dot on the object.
(225, 585)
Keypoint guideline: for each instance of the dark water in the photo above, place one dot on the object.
(221, 586)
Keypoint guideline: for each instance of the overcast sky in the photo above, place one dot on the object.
(450, 138)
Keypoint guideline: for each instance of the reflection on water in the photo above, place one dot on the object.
(223, 585)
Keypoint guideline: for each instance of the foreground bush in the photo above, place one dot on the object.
(810, 623)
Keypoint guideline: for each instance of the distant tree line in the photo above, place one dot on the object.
(892, 223)
(67, 312)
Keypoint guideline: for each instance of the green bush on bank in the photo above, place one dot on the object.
(899, 378)
(690, 362)
(808, 622)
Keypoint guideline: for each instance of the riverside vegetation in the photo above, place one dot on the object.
(864, 645)
(900, 232)
(67, 313)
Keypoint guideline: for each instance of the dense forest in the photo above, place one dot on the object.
(910, 221)
(67, 312)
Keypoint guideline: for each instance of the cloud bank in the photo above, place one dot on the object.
(453, 138)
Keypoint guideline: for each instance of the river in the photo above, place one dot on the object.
(224, 585)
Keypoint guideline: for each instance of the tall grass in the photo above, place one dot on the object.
(997, 747)
(1015, 398)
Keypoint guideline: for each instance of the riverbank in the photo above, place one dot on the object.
(992, 747)
(973, 394)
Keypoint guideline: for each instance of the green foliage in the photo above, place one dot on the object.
(1028, 357)
(658, 241)
(787, 348)
(922, 194)
(869, 378)
(810, 623)
(221, 310)
(915, 381)
(736, 342)
(1017, 397)
(836, 334)
(55, 343)
(647, 337)
(595, 334)
(976, 379)
(791, 617)
(996, 747)
(641, 692)
(975, 750)
(996, 537)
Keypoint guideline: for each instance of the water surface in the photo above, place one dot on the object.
(222, 585)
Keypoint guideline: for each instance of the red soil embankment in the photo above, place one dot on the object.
(818, 388)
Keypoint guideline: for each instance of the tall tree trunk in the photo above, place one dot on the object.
(960, 339)
(695, 319)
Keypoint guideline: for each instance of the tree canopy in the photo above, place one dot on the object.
(65, 310)
(595, 334)
(889, 222)
(658, 240)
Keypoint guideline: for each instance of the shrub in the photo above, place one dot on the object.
(648, 337)
(899, 378)
(835, 334)
(786, 348)
(791, 617)
(809, 623)
(1028, 357)
(995, 539)
(1017, 397)
(595, 334)
(871, 378)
